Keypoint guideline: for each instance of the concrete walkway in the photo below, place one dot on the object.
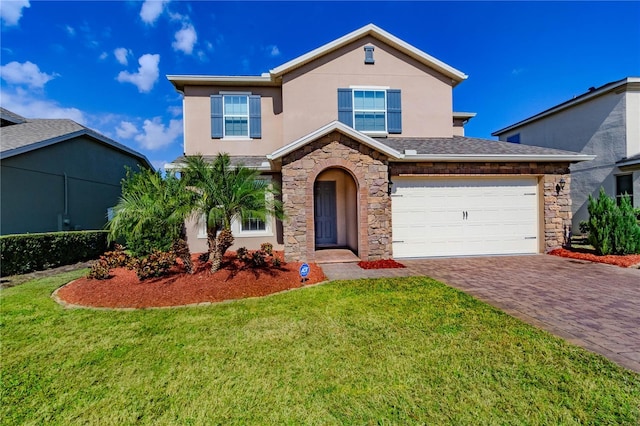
(592, 305)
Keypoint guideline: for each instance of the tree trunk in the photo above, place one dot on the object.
(181, 250)
(211, 241)
(223, 242)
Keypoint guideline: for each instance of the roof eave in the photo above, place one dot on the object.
(559, 158)
(180, 81)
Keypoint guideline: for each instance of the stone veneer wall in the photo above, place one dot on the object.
(557, 207)
(369, 169)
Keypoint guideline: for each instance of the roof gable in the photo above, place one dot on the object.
(274, 76)
(325, 130)
(379, 34)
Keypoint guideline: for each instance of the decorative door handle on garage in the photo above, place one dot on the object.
(465, 215)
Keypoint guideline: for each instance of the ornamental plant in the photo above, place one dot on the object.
(613, 229)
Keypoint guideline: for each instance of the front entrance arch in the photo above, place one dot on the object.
(365, 166)
(335, 210)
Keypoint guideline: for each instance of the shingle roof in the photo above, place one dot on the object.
(251, 161)
(11, 117)
(460, 145)
(37, 133)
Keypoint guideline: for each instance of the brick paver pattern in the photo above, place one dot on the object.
(592, 305)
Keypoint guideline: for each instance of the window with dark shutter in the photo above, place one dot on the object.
(345, 106)
(216, 117)
(394, 111)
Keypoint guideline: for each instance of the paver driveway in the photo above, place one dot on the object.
(593, 305)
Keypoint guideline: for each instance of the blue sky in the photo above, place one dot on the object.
(103, 64)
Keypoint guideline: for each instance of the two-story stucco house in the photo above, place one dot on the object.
(361, 137)
(604, 122)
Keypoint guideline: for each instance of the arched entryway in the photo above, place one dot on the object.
(335, 198)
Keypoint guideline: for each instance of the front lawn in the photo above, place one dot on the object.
(386, 351)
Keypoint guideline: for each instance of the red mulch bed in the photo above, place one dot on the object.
(233, 281)
(380, 264)
(583, 254)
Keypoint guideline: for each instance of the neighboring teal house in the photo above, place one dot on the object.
(57, 175)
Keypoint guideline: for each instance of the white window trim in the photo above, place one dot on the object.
(386, 112)
(224, 127)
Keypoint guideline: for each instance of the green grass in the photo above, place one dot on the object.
(387, 351)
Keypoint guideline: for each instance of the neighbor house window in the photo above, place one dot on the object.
(236, 115)
(514, 138)
(624, 185)
(371, 110)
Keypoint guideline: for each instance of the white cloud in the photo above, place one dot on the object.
(11, 11)
(151, 10)
(156, 135)
(121, 54)
(26, 73)
(175, 110)
(147, 74)
(70, 30)
(273, 51)
(103, 56)
(185, 39)
(126, 130)
(23, 103)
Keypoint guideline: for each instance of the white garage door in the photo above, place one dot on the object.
(454, 217)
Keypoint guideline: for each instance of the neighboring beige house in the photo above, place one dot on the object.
(604, 122)
(361, 137)
(57, 175)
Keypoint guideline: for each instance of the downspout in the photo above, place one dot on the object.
(66, 195)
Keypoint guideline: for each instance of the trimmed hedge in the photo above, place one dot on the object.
(23, 253)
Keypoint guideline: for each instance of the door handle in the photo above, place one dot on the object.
(465, 215)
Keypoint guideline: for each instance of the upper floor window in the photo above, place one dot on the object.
(371, 110)
(236, 115)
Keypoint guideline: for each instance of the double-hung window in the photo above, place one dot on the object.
(236, 115)
(370, 110)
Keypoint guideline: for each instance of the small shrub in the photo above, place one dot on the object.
(156, 264)
(117, 258)
(276, 263)
(99, 270)
(258, 259)
(267, 248)
(242, 254)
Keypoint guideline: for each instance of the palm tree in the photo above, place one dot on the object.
(151, 212)
(228, 193)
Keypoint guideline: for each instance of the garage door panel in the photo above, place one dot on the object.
(445, 217)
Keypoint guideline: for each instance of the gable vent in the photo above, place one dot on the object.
(368, 55)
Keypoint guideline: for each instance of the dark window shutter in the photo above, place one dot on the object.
(345, 107)
(394, 111)
(255, 117)
(216, 116)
